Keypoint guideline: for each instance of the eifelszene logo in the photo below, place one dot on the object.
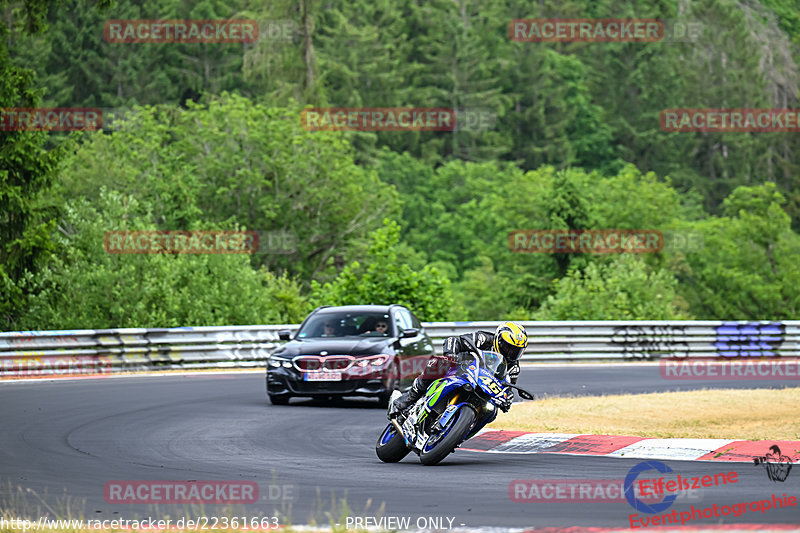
(778, 465)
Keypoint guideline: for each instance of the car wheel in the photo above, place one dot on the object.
(279, 399)
(392, 384)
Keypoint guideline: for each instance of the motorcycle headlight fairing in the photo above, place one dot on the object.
(472, 374)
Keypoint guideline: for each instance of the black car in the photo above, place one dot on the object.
(352, 350)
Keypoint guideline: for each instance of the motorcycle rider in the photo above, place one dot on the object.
(509, 340)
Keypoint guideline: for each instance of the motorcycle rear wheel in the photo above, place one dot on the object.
(448, 438)
(391, 446)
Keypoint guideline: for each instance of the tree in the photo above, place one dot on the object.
(485, 294)
(27, 171)
(566, 208)
(385, 279)
(230, 161)
(747, 268)
(88, 287)
(80, 68)
(625, 289)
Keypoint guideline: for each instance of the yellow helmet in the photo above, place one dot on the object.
(510, 340)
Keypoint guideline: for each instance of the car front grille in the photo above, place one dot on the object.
(316, 363)
(333, 387)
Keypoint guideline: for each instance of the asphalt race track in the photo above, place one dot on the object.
(65, 439)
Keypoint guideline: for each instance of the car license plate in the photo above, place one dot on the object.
(322, 376)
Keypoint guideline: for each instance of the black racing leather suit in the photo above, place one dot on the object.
(453, 349)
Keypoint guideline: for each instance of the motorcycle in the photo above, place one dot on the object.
(454, 408)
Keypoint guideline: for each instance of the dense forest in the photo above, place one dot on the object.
(208, 136)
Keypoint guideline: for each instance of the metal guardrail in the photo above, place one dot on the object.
(37, 353)
(109, 350)
(642, 339)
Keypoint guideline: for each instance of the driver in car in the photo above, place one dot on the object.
(329, 329)
(509, 340)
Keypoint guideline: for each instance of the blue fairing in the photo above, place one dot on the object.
(458, 378)
(443, 421)
(480, 423)
(388, 434)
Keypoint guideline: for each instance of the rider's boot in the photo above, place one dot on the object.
(408, 399)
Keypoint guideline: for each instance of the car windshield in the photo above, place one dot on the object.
(332, 325)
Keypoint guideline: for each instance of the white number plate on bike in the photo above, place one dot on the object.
(322, 376)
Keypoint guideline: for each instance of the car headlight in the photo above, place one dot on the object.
(276, 362)
(372, 360)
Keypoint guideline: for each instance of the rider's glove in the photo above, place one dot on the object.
(451, 358)
(509, 399)
(458, 358)
(510, 394)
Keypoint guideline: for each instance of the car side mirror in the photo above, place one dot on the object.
(410, 332)
(285, 335)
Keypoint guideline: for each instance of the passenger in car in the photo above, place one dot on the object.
(376, 327)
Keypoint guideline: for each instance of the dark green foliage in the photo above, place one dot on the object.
(213, 140)
(625, 289)
(384, 279)
(88, 287)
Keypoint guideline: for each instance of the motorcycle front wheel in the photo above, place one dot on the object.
(439, 445)
(391, 446)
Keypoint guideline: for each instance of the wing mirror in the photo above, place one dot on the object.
(410, 332)
(285, 335)
(525, 395)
